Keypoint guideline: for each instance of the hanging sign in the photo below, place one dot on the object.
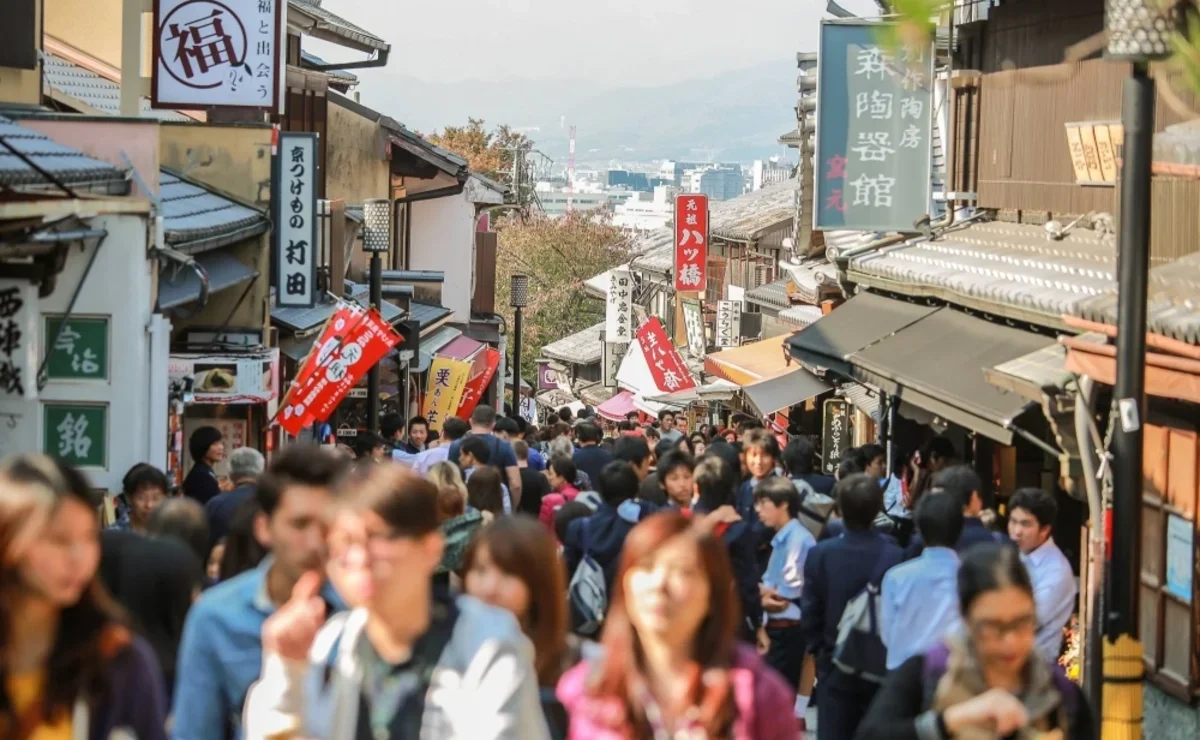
(729, 323)
(294, 206)
(667, 368)
(447, 383)
(224, 379)
(691, 242)
(835, 434)
(477, 385)
(217, 54)
(547, 377)
(18, 340)
(874, 131)
(618, 312)
(612, 353)
(693, 322)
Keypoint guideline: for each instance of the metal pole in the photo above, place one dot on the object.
(373, 374)
(516, 383)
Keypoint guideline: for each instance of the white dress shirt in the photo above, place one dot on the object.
(1054, 592)
(919, 604)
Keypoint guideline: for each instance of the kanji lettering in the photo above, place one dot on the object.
(10, 302)
(873, 191)
(73, 439)
(10, 337)
(873, 146)
(911, 108)
(875, 104)
(871, 63)
(442, 379)
(85, 363)
(10, 378)
(203, 44)
(297, 252)
(911, 138)
(837, 167)
(691, 235)
(913, 79)
(690, 275)
(834, 201)
(297, 284)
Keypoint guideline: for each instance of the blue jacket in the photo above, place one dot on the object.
(973, 533)
(606, 533)
(742, 545)
(744, 504)
(835, 572)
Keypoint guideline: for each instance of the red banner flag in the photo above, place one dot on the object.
(666, 366)
(477, 385)
(691, 243)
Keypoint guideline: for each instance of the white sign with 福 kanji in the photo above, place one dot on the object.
(691, 242)
(729, 323)
(618, 312)
(217, 54)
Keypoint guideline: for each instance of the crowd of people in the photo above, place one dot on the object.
(496, 580)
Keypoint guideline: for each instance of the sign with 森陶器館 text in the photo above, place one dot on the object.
(294, 207)
(874, 151)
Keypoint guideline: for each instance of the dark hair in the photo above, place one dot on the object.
(938, 447)
(715, 481)
(860, 499)
(297, 465)
(625, 425)
(662, 415)
(564, 467)
(521, 449)
(1037, 502)
(485, 490)
(568, 513)
(589, 432)
(712, 648)
(684, 443)
(697, 436)
(143, 476)
(961, 482)
(632, 416)
(243, 551)
(184, 519)
(454, 428)
(868, 452)
(939, 520)
(727, 453)
(483, 416)
(664, 448)
(762, 440)
(631, 450)
(418, 421)
(747, 424)
(565, 414)
(651, 432)
(797, 456)
(780, 491)
(366, 443)
(508, 426)
(476, 448)
(201, 440)
(521, 546)
(989, 566)
(849, 466)
(671, 461)
(560, 429)
(406, 502)
(391, 424)
(616, 483)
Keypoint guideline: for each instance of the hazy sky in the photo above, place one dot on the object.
(611, 42)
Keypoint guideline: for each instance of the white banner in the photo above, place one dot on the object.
(618, 313)
(294, 206)
(693, 322)
(613, 353)
(729, 323)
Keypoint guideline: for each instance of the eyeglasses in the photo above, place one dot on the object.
(994, 629)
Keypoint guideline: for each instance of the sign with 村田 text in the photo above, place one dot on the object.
(693, 324)
(217, 54)
(1093, 149)
(18, 340)
(729, 323)
(77, 434)
(835, 434)
(447, 383)
(874, 138)
(667, 368)
(618, 312)
(294, 205)
(478, 385)
(79, 348)
(691, 242)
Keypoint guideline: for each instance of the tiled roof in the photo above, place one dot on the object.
(812, 277)
(303, 319)
(750, 216)
(196, 219)
(1011, 269)
(101, 95)
(581, 348)
(1174, 301)
(70, 167)
(341, 75)
(801, 315)
(338, 26)
(362, 294)
(427, 314)
(791, 138)
(655, 251)
(773, 295)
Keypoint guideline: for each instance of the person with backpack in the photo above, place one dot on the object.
(409, 660)
(715, 483)
(779, 638)
(500, 453)
(841, 582)
(988, 682)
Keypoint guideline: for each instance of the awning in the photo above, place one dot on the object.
(179, 285)
(430, 346)
(864, 398)
(461, 348)
(769, 396)
(750, 363)
(617, 407)
(938, 363)
(715, 390)
(859, 322)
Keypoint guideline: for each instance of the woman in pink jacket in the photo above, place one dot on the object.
(561, 473)
(672, 667)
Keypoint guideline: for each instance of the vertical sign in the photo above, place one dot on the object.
(1180, 557)
(294, 206)
(18, 340)
(217, 54)
(618, 313)
(693, 323)
(835, 434)
(667, 368)
(447, 383)
(874, 132)
(729, 323)
(691, 242)
(611, 355)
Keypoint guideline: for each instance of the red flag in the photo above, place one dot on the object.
(666, 366)
(477, 385)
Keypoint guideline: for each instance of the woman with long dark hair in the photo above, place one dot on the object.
(70, 667)
(672, 666)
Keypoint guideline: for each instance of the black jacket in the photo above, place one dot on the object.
(201, 484)
(973, 533)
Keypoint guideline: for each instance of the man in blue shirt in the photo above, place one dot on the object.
(590, 457)
(501, 455)
(965, 485)
(778, 502)
(919, 599)
(220, 654)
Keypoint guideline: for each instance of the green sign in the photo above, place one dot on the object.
(79, 351)
(76, 433)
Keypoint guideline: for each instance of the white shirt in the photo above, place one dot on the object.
(1054, 592)
(427, 459)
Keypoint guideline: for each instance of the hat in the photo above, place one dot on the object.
(201, 440)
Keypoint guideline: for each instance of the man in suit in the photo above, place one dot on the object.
(835, 572)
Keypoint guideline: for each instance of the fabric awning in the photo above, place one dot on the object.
(179, 285)
(859, 322)
(864, 398)
(617, 407)
(750, 363)
(938, 363)
(774, 394)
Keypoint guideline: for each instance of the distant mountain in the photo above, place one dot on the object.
(735, 116)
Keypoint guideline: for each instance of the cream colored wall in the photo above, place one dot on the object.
(355, 167)
(232, 158)
(252, 313)
(21, 85)
(92, 26)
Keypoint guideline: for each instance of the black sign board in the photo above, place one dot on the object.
(18, 35)
(835, 434)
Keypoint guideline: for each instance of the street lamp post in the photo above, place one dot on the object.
(377, 239)
(518, 298)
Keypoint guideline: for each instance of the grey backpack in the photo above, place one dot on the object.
(587, 592)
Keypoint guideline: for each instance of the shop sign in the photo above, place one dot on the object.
(478, 385)
(1180, 549)
(612, 355)
(217, 54)
(547, 377)
(77, 434)
(1093, 149)
(294, 207)
(227, 379)
(529, 409)
(835, 434)
(618, 311)
(667, 367)
(79, 348)
(447, 383)
(874, 131)
(729, 323)
(18, 340)
(693, 322)
(691, 242)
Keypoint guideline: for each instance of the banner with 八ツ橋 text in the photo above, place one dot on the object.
(874, 131)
